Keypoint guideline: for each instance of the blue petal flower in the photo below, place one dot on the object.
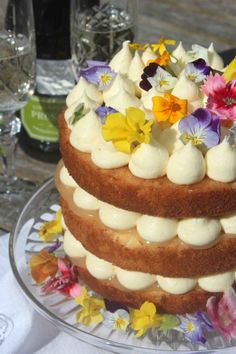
(103, 111)
(197, 70)
(201, 127)
(99, 74)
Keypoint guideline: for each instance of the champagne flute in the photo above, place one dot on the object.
(17, 81)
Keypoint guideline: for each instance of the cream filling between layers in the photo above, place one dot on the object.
(131, 280)
(199, 232)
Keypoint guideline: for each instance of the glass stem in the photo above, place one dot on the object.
(9, 127)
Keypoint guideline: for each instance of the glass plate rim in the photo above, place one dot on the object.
(101, 343)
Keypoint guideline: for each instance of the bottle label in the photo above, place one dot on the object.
(54, 77)
(40, 117)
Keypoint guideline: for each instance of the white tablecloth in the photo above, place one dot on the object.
(23, 330)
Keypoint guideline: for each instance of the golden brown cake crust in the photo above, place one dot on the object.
(176, 304)
(173, 260)
(153, 197)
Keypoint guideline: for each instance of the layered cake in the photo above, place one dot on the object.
(147, 179)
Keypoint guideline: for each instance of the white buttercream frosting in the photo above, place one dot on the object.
(221, 162)
(169, 138)
(179, 53)
(99, 268)
(86, 133)
(117, 218)
(66, 178)
(215, 60)
(85, 200)
(149, 161)
(156, 229)
(146, 97)
(199, 231)
(106, 156)
(136, 68)
(228, 223)
(186, 165)
(216, 283)
(73, 247)
(148, 54)
(134, 280)
(121, 61)
(84, 87)
(186, 89)
(122, 100)
(176, 285)
(119, 83)
(63, 224)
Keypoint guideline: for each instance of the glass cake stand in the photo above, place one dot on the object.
(61, 311)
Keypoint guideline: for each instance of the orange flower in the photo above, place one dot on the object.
(162, 60)
(169, 108)
(43, 265)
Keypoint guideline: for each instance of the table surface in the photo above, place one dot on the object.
(192, 21)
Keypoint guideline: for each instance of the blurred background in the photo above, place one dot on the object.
(191, 21)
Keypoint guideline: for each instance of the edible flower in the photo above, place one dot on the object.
(222, 313)
(194, 327)
(49, 230)
(43, 265)
(169, 108)
(160, 46)
(138, 46)
(148, 72)
(197, 52)
(66, 282)
(127, 131)
(162, 60)
(230, 71)
(118, 320)
(197, 70)
(90, 313)
(144, 318)
(162, 80)
(201, 128)
(221, 96)
(100, 75)
(103, 111)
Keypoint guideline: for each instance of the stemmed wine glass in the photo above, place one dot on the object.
(17, 81)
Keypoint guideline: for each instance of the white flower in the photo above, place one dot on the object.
(118, 320)
(162, 80)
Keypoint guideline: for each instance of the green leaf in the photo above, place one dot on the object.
(80, 112)
(168, 322)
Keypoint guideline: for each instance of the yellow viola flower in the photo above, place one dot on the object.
(127, 131)
(43, 265)
(144, 318)
(138, 46)
(90, 312)
(160, 46)
(49, 230)
(230, 71)
(169, 108)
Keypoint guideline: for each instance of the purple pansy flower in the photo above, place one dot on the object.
(222, 313)
(194, 327)
(91, 63)
(103, 112)
(148, 71)
(197, 70)
(201, 127)
(99, 74)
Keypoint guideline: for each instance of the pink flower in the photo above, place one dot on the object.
(223, 313)
(66, 282)
(221, 96)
